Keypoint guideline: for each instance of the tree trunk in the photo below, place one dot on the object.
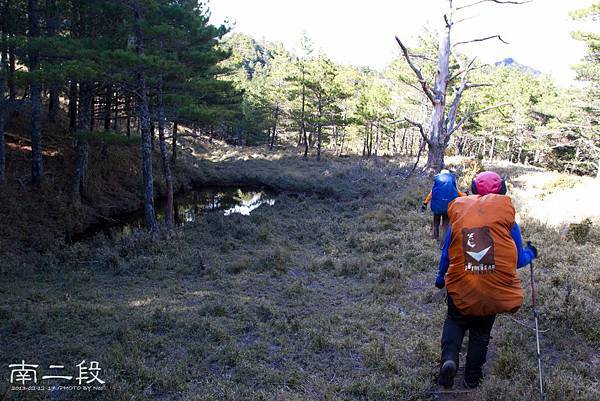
(438, 137)
(377, 140)
(435, 157)
(174, 144)
(334, 134)
(84, 121)
(12, 58)
(365, 140)
(153, 133)
(403, 142)
(274, 128)
(2, 146)
(146, 155)
(116, 125)
(53, 102)
(319, 130)
(144, 114)
(92, 114)
(52, 26)
(388, 144)
(364, 150)
(369, 138)
(72, 106)
(342, 142)
(164, 153)
(107, 107)
(303, 116)
(128, 112)
(492, 147)
(37, 170)
(3, 103)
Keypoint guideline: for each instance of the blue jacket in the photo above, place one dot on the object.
(525, 255)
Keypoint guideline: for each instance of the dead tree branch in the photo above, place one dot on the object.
(424, 57)
(421, 130)
(414, 167)
(461, 121)
(471, 114)
(491, 108)
(422, 81)
(493, 1)
(448, 22)
(463, 20)
(463, 70)
(464, 84)
(451, 117)
(476, 85)
(481, 40)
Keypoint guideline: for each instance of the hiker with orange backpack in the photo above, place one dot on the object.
(482, 250)
(443, 192)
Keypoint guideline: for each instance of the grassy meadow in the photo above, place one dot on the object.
(326, 295)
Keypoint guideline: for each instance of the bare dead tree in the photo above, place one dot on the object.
(444, 119)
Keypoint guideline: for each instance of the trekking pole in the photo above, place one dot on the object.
(537, 331)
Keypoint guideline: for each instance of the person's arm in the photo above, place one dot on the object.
(428, 198)
(425, 202)
(444, 261)
(525, 255)
(460, 193)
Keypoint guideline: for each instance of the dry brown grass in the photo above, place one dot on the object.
(327, 295)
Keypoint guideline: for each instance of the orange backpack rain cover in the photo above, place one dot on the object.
(482, 278)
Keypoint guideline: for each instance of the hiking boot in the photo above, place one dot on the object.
(447, 373)
(469, 385)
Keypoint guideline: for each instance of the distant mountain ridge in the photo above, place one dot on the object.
(511, 63)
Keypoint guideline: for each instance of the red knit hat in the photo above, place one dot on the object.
(489, 182)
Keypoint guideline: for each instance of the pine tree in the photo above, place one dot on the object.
(35, 88)
(144, 116)
(326, 92)
(588, 71)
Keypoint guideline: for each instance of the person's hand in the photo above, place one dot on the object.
(532, 249)
(440, 282)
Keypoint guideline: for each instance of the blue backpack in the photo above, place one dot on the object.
(443, 192)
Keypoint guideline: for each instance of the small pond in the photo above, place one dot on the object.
(188, 207)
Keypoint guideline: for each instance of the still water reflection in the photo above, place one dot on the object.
(189, 206)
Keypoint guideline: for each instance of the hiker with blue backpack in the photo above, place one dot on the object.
(443, 192)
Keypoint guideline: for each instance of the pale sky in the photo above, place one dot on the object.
(362, 32)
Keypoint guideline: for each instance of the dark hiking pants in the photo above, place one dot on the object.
(479, 337)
